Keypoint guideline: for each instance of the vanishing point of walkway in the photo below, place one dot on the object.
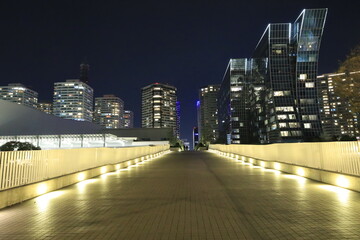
(188, 195)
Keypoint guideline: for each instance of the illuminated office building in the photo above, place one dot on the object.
(159, 107)
(128, 119)
(109, 111)
(208, 113)
(18, 93)
(45, 107)
(73, 99)
(233, 106)
(336, 116)
(274, 95)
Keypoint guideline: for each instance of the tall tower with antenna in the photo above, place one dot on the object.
(84, 71)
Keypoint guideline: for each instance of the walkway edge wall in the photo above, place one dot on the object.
(19, 194)
(324, 160)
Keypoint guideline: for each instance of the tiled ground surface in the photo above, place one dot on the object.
(188, 195)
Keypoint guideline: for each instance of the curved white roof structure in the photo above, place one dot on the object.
(18, 119)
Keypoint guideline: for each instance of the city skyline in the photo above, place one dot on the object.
(167, 43)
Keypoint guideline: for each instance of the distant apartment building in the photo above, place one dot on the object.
(18, 93)
(109, 111)
(159, 107)
(128, 119)
(272, 97)
(208, 113)
(46, 107)
(73, 99)
(336, 116)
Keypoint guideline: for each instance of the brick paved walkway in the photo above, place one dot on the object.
(189, 195)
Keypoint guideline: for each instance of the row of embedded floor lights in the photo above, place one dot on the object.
(46, 196)
(300, 175)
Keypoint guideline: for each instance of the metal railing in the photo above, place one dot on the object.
(19, 168)
(341, 157)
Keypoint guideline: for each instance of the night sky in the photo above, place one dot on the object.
(130, 44)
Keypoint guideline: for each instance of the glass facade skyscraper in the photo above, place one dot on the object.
(278, 84)
(233, 102)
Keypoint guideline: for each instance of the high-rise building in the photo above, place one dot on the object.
(208, 113)
(128, 119)
(46, 107)
(73, 99)
(84, 72)
(18, 93)
(109, 111)
(275, 91)
(177, 129)
(233, 102)
(158, 108)
(336, 117)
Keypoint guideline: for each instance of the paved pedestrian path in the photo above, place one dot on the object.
(188, 195)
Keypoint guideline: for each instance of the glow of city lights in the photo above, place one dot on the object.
(117, 166)
(262, 164)
(251, 160)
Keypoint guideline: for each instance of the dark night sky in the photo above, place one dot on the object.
(130, 44)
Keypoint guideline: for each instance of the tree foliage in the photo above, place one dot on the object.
(348, 87)
(18, 146)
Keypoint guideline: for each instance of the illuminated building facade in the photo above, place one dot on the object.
(45, 107)
(159, 107)
(233, 107)
(208, 113)
(73, 99)
(18, 93)
(128, 119)
(336, 116)
(273, 97)
(109, 111)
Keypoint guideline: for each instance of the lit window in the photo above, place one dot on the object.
(303, 76)
(283, 116)
(293, 124)
(309, 84)
(284, 133)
